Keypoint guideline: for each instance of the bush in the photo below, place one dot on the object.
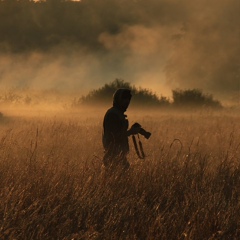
(142, 96)
(194, 98)
(190, 98)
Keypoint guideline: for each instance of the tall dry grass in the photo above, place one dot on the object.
(52, 184)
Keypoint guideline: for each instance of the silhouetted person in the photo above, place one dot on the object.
(116, 133)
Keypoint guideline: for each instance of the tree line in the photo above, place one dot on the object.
(188, 98)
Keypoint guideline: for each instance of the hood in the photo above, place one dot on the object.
(119, 95)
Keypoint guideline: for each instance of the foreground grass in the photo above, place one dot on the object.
(53, 186)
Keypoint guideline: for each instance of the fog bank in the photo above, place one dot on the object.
(160, 45)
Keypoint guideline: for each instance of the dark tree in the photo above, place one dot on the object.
(194, 98)
(141, 97)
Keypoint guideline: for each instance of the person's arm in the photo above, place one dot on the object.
(135, 128)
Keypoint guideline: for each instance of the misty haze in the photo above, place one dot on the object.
(75, 47)
(67, 121)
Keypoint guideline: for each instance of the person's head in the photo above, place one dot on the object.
(122, 98)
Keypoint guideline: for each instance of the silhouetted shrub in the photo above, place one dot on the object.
(142, 97)
(194, 98)
(190, 98)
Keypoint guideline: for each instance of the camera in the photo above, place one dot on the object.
(142, 131)
(145, 133)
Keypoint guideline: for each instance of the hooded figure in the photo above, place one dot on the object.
(115, 131)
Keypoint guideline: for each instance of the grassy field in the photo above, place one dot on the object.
(53, 185)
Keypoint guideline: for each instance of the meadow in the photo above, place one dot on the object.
(53, 185)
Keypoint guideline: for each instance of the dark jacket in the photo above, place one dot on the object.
(115, 126)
